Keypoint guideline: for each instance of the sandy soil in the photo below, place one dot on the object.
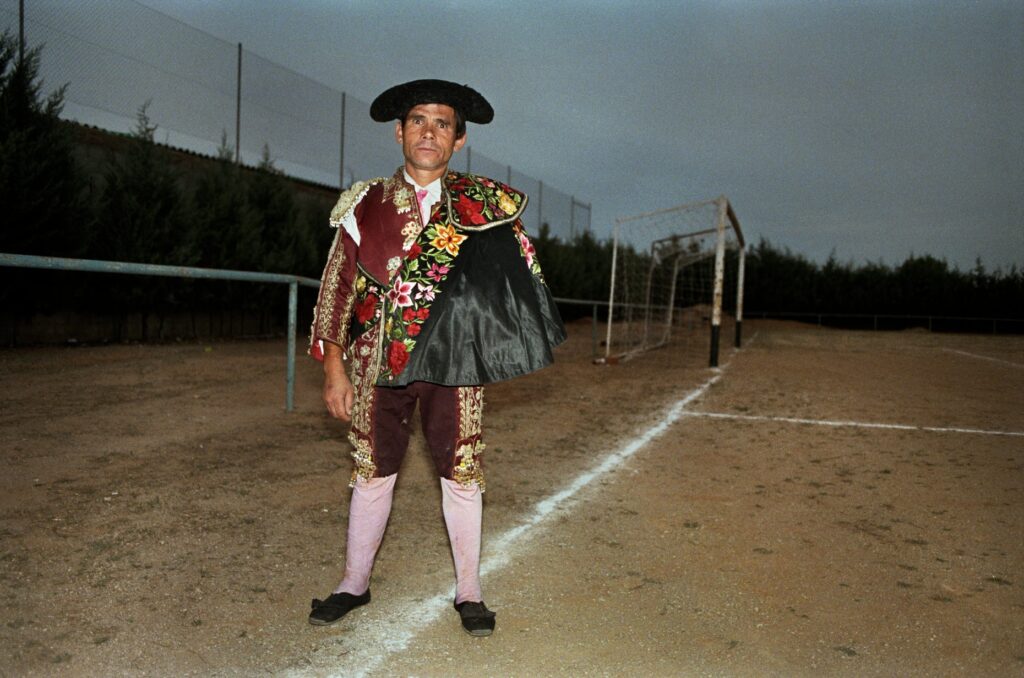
(161, 515)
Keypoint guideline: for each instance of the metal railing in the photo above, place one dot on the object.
(293, 282)
(97, 266)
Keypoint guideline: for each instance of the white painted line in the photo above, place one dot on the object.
(984, 357)
(611, 462)
(374, 640)
(856, 424)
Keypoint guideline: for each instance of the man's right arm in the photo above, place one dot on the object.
(338, 393)
(333, 311)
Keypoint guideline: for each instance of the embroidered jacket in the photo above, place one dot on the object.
(460, 300)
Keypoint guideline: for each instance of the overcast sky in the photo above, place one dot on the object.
(874, 129)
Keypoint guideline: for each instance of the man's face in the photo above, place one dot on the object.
(428, 137)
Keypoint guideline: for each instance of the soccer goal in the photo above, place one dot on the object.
(676, 273)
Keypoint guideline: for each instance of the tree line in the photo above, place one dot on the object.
(779, 281)
(137, 201)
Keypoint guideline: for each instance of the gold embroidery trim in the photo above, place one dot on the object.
(365, 367)
(349, 199)
(471, 409)
(403, 197)
(467, 470)
(327, 300)
(362, 455)
(399, 193)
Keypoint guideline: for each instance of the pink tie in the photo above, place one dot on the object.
(424, 210)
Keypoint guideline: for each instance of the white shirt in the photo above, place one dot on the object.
(433, 190)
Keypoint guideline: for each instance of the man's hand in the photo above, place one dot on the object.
(338, 392)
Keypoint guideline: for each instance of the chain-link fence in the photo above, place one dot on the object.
(206, 95)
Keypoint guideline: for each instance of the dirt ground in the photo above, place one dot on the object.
(162, 515)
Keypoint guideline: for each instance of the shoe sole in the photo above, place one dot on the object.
(321, 622)
(479, 633)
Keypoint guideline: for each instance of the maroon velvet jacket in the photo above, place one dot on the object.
(386, 213)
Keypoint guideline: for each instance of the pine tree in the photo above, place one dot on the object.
(142, 219)
(40, 187)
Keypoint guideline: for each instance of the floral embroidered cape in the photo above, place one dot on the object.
(464, 300)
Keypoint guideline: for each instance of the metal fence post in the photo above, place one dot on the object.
(21, 32)
(540, 204)
(238, 109)
(341, 163)
(293, 306)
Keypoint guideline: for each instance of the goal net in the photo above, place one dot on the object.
(676, 274)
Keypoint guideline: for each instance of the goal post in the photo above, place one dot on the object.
(670, 273)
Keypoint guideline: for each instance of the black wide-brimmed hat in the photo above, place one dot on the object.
(395, 102)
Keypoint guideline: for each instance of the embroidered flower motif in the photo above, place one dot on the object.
(414, 330)
(527, 247)
(408, 315)
(448, 240)
(470, 210)
(414, 251)
(398, 356)
(507, 205)
(393, 264)
(426, 292)
(410, 232)
(366, 308)
(437, 273)
(400, 293)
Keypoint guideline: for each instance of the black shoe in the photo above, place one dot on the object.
(335, 607)
(476, 618)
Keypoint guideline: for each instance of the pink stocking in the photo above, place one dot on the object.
(367, 518)
(463, 512)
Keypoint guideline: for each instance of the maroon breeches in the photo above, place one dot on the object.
(451, 422)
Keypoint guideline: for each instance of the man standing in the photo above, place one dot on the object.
(431, 290)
